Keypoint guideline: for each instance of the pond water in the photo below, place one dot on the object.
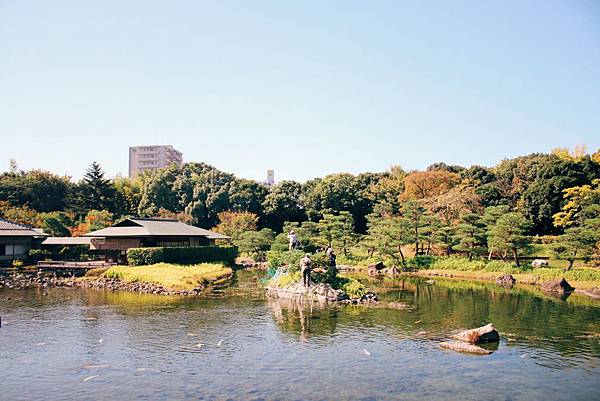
(75, 344)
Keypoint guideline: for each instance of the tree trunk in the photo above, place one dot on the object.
(490, 254)
(416, 239)
(448, 250)
(401, 255)
(570, 264)
(516, 257)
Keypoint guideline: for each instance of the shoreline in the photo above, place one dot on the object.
(25, 281)
(522, 278)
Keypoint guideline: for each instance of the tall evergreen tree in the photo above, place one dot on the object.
(96, 192)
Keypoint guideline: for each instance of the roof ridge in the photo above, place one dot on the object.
(152, 219)
(16, 224)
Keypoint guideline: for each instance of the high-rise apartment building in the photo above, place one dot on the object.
(270, 177)
(152, 157)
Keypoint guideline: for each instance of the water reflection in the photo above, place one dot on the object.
(237, 344)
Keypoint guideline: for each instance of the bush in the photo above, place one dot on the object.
(463, 264)
(353, 288)
(281, 258)
(457, 263)
(184, 255)
(35, 255)
(421, 261)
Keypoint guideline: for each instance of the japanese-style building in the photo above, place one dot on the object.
(143, 232)
(16, 240)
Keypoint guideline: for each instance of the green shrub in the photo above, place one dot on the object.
(504, 267)
(144, 256)
(38, 254)
(353, 288)
(463, 264)
(280, 258)
(183, 255)
(457, 263)
(421, 261)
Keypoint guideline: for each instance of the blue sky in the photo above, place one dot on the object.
(307, 87)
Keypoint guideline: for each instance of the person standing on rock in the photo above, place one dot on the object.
(306, 265)
(332, 265)
(294, 241)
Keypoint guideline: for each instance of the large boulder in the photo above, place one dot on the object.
(539, 263)
(506, 280)
(559, 286)
(316, 292)
(484, 334)
(377, 266)
(375, 269)
(465, 347)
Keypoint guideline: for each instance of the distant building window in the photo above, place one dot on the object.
(14, 249)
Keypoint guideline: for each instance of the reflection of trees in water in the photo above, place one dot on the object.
(307, 319)
(522, 314)
(560, 332)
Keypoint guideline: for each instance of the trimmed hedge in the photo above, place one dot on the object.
(183, 255)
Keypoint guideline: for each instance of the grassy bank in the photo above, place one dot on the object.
(175, 277)
(579, 277)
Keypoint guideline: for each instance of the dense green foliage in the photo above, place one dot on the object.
(446, 209)
(198, 254)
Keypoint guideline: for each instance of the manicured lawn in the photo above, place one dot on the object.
(176, 277)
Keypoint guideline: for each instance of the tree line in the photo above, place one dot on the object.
(474, 210)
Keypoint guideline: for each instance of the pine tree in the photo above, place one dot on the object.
(96, 192)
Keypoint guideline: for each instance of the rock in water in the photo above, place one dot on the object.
(558, 286)
(506, 280)
(464, 347)
(374, 269)
(484, 334)
(316, 292)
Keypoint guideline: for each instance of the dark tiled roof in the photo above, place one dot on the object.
(135, 227)
(12, 229)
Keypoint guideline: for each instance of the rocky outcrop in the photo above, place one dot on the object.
(560, 286)
(118, 285)
(465, 347)
(316, 292)
(249, 263)
(484, 334)
(506, 280)
(375, 269)
(29, 280)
